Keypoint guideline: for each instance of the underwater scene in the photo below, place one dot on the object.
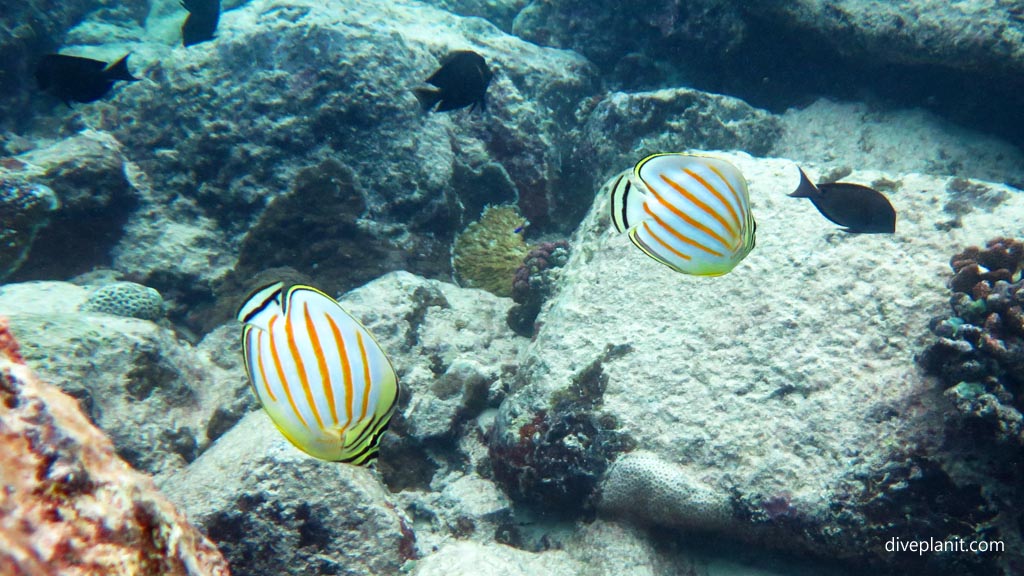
(511, 288)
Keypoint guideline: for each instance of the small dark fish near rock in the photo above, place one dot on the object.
(201, 22)
(860, 209)
(461, 81)
(77, 79)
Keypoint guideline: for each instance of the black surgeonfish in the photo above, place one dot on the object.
(461, 81)
(201, 22)
(77, 79)
(860, 209)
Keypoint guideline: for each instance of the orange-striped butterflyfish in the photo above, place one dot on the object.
(689, 212)
(325, 382)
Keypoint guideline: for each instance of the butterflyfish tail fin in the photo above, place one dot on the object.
(806, 189)
(261, 306)
(627, 203)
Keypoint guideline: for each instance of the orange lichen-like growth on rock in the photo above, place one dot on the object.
(8, 345)
(69, 505)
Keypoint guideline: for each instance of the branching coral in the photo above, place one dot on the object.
(979, 356)
(487, 254)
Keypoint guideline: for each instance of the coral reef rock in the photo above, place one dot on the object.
(25, 208)
(305, 87)
(979, 356)
(449, 346)
(91, 176)
(985, 36)
(274, 510)
(471, 558)
(488, 252)
(70, 506)
(784, 392)
(624, 127)
(126, 299)
(535, 281)
(152, 393)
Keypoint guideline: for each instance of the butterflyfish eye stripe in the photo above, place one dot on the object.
(686, 211)
(304, 346)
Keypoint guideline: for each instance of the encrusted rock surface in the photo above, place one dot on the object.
(814, 333)
(982, 35)
(126, 299)
(91, 177)
(70, 506)
(448, 344)
(152, 393)
(25, 208)
(623, 127)
(466, 558)
(274, 510)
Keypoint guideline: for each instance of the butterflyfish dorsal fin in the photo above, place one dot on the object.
(262, 305)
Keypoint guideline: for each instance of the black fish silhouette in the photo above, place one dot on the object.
(860, 209)
(201, 22)
(77, 79)
(461, 81)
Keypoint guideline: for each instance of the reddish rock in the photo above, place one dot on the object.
(69, 505)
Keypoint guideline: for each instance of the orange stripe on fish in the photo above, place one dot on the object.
(664, 244)
(682, 215)
(275, 355)
(735, 196)
(321, 363)
(289, 330)
(718, 196)
(263, 371)
(699, 203)
(346, 368)
(678, 235)
(366, 374)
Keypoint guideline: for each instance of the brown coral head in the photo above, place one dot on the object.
(969, 257)
(967, 276)
(1002, 253)
(981, 290)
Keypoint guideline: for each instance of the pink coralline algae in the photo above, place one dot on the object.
(70, 506)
